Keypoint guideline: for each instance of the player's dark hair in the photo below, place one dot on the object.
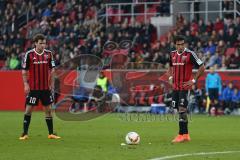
(179, 38)
(38, 37)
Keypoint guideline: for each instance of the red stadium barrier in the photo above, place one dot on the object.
(12, 95)
(12, 91)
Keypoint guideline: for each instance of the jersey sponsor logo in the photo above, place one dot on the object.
(178, 64)
(40, 62)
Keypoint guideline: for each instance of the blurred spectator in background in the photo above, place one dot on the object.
(227, 98)
(210, 48)
(98, 99)
(234, 61)
(103, 82)
(235, 104)
(194, 100)
(164, 8)
(14, 62)
(2, 52)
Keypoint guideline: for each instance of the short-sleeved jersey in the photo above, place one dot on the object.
(39, 66)
(182, 65)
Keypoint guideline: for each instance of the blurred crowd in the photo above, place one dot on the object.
(73, 28)
(227, 101)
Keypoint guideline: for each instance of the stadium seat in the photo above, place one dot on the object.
(230, 51)
(133, 93)
(2, 63)
(140, 19)
(143, 95)
(160, 98)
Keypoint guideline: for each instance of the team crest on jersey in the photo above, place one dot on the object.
(46, 56)
(24, 64)
(184, 58)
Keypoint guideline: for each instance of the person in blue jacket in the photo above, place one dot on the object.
(227, 98)
(213, 86)
(235, 99)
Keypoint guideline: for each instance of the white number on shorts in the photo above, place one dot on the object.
(51, 98)
(32, 100)
(173, 104)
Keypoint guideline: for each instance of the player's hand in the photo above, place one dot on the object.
(26, 88)
(188, 83)
(171, 110)
(170, 80)
(52, 89)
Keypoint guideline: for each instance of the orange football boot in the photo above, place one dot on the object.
(53, 136)
(178, 139)
(186, 137)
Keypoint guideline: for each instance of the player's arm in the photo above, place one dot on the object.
(169, 73)
(52, 73)
(206, 84)
(201, 68)
(52, 82)
(25, 67)
(25, 82)
(199, 72)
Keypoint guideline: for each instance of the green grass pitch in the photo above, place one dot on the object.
(100, 139)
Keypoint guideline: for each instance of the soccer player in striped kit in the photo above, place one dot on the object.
(39, 65)
(182, 62)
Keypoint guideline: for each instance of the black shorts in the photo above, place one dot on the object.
(45, 96)
(213, 93)
(180, 98)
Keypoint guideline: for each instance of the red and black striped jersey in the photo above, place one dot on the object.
(39, 66)
(182, 66)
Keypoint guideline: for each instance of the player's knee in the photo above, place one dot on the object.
(28, 111)
(183, 114)
(182, 109)
(48, 113)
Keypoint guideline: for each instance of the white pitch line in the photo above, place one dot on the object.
(193, 154)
